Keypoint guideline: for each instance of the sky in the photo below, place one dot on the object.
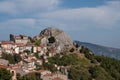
(94, 21)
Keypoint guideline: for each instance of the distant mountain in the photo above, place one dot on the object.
(101, 50)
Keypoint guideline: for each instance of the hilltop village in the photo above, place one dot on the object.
(29, 56)
(53, 55)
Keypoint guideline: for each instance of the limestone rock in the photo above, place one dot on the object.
(62, 41)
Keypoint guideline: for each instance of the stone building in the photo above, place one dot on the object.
(19, 38)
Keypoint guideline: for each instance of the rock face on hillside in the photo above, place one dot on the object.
(55, 39)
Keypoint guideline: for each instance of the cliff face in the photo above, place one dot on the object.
(56, 39)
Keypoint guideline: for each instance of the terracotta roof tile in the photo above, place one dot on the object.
(7, 42)
(49, 74)
(40, 71)
(2, 66)
(57, 78)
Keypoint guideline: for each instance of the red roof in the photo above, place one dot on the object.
(2, 66)
(40, 71)
(57, 78)
(7, 42)
(41, 46)
(48, 74)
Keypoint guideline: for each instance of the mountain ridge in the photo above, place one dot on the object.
(101, 50)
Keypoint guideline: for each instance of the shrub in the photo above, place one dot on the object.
(51, 39)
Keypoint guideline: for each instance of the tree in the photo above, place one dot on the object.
(15, 58)
(36, 55)
(5, 74)
(111, 65)
(8, 57)
(31, 40)
(31, 76)
(99, 73)
(37, 42)
(48, 66)
(27, 51)
(72, 50)
(51, 39)
(79, 73)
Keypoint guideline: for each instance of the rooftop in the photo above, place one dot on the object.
(7, 42)
(57, 78)
(2, 66)
(40, 71)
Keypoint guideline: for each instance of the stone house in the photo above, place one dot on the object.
(42, 50)
(4, 62)
(29, 64)
(7, 46)
(43, 72)
(29, 47)
(21, 47)
(34, 49)
(54, 76)
(39, 62)
(19, 38)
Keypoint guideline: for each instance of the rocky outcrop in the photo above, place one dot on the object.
(55, 39)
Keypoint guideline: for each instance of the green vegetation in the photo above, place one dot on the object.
(15, 58)
(78, 66)
(27, 51)
(72, 50)
(18, 76)
(50, 67)
(79, 73)
(98, 73)
(31, 76)
(31, 39)
(87, 52)
(111, 65)
(37, 42)
(5, 74)
(89, 66)
(51, 39)
(66, 60)
(36, 55)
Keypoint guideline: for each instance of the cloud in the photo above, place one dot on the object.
(15, 7)
(47, 13)
(106, 16)
(18, 24)
(7, 7)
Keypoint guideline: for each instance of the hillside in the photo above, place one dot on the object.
(80, 63)
(101, 50)
(52, 50)
(88, 67)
